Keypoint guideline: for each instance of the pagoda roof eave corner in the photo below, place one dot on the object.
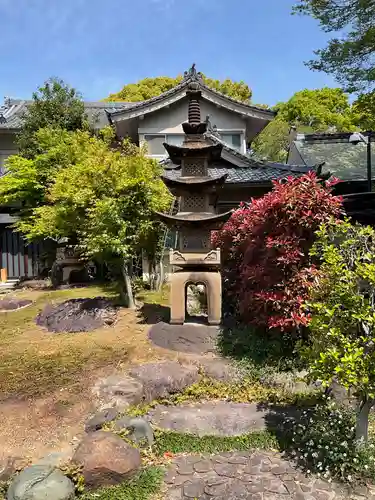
(194, 220)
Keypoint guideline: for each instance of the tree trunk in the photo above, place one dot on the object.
(128, 287)
(161, 275)
(361, 431)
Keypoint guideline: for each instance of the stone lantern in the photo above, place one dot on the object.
(195, 261)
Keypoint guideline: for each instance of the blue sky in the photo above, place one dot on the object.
(99, 45)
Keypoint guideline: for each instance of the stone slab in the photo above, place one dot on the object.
(194, 338)
(161, 379)
(210, 419)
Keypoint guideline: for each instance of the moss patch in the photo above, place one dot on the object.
(247, 391)
(142, 487)
(174, 442)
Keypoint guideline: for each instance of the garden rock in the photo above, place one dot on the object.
(78, 315)
(210, 419)
(161, 379)
(119, 391)
(140, 431)
(106, 459)
(35, 284)
(219, 369)
(56, 459)
(340, 394)
(12, 304)
(41, 482)
(289, 381)
(99, 419)
(9, 466)
(122, 423)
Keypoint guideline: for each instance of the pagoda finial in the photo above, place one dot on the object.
(194, 125)
(193, 74)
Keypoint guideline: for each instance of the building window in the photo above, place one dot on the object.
(155, 144)
(233, 140)
(175, 139)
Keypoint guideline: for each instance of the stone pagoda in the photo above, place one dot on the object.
(194, 261)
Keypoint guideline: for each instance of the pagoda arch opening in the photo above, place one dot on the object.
(196, 301)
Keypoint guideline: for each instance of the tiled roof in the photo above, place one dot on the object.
(237, 175)
(12, 111)
(341, 158)
(195, 77)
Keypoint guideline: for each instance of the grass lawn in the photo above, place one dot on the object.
(34, 362)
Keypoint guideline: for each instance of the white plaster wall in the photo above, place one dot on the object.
(170, 120)
(7, 147)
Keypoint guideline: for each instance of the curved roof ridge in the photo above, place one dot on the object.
(188, 78)
(160, 97)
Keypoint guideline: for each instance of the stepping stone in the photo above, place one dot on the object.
(190, 337)
(210, 419)
(161, 379)
(119, 391)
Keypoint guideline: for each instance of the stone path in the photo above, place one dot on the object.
(221, 418)
(193, 338)
(249, 476)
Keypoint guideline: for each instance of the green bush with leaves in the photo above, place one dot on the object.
(342, 308)
(103, 200)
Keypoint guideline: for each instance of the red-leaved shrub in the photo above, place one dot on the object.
(265, 246)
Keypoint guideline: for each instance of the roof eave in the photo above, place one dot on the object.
(179, 92)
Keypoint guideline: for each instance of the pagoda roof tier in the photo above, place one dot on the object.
(194, 184)
(194, 220)
(193, 149)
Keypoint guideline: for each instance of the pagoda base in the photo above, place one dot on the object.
(179, 283)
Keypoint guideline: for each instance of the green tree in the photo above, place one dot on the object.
(350, 57)
(151, 87)
(364, 111)
(101, 199)
(319, 109)
(56, 105)
(342, 307)
(310, 111)
(272, 143)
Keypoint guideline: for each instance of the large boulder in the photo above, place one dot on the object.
(161, 379)
(41, 482)
(106, 459)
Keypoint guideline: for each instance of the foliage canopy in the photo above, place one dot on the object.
(151, 87)
(56, 105)
(350, 57)
(265, 252)
(342, 307)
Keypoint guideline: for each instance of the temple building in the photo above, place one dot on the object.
(230, 127)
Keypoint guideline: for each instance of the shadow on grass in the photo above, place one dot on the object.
(257, 347)
(154, 313)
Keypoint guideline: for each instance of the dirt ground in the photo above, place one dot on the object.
(46, 379)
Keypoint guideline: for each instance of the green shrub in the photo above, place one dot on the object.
(323, 441)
